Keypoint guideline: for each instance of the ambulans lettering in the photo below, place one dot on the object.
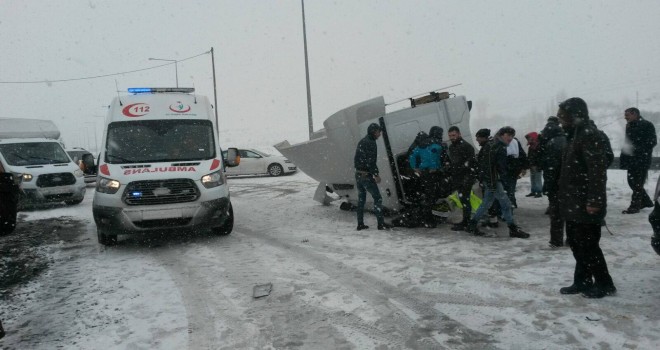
(159, 170)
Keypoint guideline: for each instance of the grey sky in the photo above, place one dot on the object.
(512, 57)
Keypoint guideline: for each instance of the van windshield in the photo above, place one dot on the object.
(159, 141)
(33, 153)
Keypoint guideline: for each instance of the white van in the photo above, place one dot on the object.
(31, 148)
(161, 166)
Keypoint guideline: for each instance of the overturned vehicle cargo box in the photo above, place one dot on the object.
(328, 156)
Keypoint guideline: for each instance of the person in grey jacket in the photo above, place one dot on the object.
(367, 177)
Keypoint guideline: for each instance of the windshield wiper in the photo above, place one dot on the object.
(121, 159)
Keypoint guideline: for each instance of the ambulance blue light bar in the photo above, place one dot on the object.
(157, 90)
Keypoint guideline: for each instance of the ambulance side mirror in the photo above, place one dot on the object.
(233, 157)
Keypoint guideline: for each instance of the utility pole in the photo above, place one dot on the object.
(309, 94)
(215, 93)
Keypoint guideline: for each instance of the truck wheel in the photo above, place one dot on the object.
(105, 238)
(74, 201)
(228, 226)
(275, 170)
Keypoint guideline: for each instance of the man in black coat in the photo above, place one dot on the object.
(367, 178)
(636, 158)
(461, 167)
(582, 198)
(553, 141)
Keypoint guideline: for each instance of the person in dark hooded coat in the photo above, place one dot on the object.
(367, 176)
(553, 141)
(582, 198)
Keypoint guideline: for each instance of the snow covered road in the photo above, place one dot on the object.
(333, 287)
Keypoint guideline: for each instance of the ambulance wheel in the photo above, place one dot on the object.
(275, 170)
(74, 201)
(228, 226)
(105, 238)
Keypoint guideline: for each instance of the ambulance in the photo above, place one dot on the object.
(161, 166)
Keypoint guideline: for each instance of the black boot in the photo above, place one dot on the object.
(574, 289)
(516, 232)
(473, 229)
(362, 227)
(461, 226)
(597, 292)
(384, 226)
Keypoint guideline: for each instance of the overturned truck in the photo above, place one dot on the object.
(328, 156)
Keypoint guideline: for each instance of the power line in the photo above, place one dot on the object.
(100, 76)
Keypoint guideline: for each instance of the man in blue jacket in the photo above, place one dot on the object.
(425, 160)
(366, 177)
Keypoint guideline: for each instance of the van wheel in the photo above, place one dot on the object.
(275, 170)
(105, 238)
(74, 202)
(228, 226)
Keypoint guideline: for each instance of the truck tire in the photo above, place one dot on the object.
(228, 226)
(105, 238)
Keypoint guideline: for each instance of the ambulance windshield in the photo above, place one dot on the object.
(159, 141)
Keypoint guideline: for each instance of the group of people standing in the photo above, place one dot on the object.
(568, 162)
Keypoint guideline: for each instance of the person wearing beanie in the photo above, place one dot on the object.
(492, 174)
(367, 177)
(636, 158)
(582, 198)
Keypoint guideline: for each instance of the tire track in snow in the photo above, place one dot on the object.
(416, 325)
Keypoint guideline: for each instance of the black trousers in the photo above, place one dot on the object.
(636, 179)
(556, 221)
(464, 191)
(590, 265)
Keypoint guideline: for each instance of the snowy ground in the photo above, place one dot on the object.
(333, 287)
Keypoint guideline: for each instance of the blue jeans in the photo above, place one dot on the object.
(490, 194)
(366, 184)
(536, 179)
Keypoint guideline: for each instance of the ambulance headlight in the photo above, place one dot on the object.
(108, 186)
(27, 177)
(78, 173)
(213, 179)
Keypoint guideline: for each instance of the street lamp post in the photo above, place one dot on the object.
(176, 69)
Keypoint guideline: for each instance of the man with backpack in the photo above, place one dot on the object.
(516, 166)
(492, 174)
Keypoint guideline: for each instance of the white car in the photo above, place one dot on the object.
(255, 162)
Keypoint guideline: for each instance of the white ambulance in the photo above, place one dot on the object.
(161, 166)
(30, 148)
